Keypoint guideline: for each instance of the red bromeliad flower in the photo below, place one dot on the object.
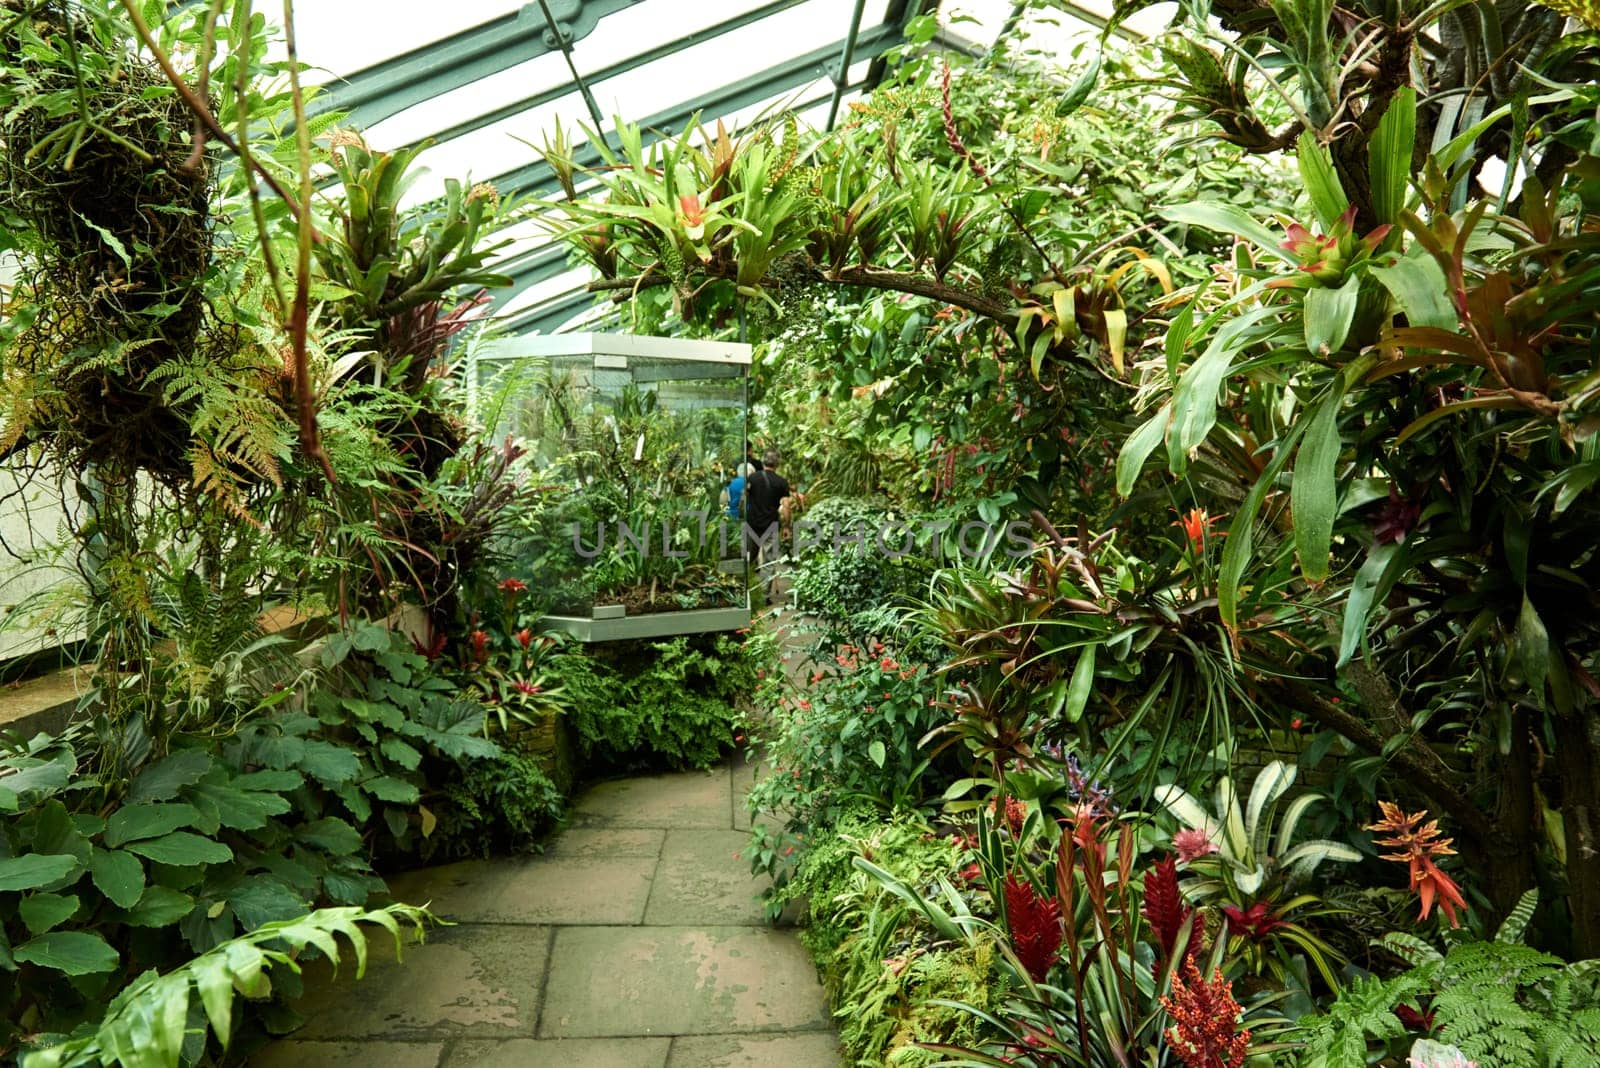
(1164, 908)
(1205, 1031)
(1035, 926)
(1395, 518)
(524, 637)
(480, 646)
(1197, 525)
(1326, 257)
(528, 688)
(513, 585)
(692, 215)
(1255, 922)
(1418, 847)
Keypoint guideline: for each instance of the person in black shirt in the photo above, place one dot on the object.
(764, 493)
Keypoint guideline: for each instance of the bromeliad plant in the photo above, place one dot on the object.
(1244, 861)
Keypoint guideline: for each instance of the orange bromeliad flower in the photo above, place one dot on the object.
(1197, 525)
(1418, 847)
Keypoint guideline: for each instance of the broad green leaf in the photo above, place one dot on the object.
(181, 849)
(1137, 449)
(214, 981)
(1369, 581)
(1327, 195)
(1194, 402)
(118, 875)
(241, 810)
(163, 779)
(877, 752)
(41, 912)
(1078, 92)
(72, 952)
(35, 869)
(1328, 315)
(328, 763)
(147, 821)
(330, 834)
(1227, 219)
(1389, 155)
(395, 791)
(1531, 642)
(1417, 283)
(1239, 546)
(1314, 494)
(159, 906)
(1079, 688)
(261, 899)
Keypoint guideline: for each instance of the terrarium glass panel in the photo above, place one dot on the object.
(634, 444)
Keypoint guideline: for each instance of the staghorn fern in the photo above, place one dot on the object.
(145, 1026)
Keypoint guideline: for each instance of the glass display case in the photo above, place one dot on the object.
(635, 443)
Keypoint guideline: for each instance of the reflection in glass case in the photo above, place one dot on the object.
(637, 444)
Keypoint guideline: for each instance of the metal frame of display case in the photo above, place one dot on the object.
(612, 352)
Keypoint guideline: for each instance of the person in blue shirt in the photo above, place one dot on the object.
(733, 494)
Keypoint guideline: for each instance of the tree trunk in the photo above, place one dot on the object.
(1578, 760)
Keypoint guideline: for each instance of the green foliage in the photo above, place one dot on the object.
(1500, 1003)
(847, 580)
(674, 703)
(497, 806)
(884, 968)
(854, 737)
(149, 1024)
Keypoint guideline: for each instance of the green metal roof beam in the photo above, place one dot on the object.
(564, 40)
(661, 51)
(385, 89)
(844, 62)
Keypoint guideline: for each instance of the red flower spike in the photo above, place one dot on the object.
(1035, 927)
(1163, 908)
(513, 585)
(1205, 1020)
(524, 637)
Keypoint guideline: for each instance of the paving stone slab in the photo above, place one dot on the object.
(689, 799)
(538, 890)
(815, 1049)
(631, 981)
(560, 1053)
(606, 842)
(477, 982)
(296, 1054)
(704, 880)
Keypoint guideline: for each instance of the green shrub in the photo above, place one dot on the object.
(674, 703)
(848, 586)
(882, 966)
(852, 738)
(504, 805)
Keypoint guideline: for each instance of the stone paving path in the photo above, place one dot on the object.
(635, 941)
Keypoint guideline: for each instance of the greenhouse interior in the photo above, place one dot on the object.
(795, 533)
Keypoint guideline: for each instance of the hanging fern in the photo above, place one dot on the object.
(145, 1025)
